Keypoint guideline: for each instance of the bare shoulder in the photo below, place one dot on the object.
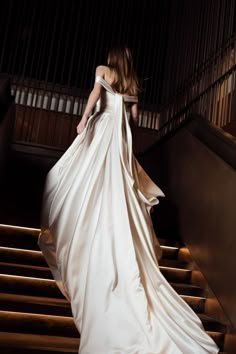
(101, 70)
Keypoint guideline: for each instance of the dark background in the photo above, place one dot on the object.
(63, 41)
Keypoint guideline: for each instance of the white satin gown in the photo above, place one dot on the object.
(98, 239)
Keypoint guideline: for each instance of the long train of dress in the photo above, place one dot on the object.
(98, 239)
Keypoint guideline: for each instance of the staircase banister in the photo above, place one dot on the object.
(220, 142)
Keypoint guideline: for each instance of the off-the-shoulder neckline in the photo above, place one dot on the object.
(123, 95)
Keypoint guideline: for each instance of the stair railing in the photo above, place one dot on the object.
(45, 112)
(210, 93)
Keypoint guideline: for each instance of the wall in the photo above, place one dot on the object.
(200, 184)
(7, 118)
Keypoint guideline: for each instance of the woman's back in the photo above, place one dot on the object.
(111, 77)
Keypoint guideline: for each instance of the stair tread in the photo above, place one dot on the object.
(42, 323)
(25, 270)
(169, 242)
(18, 230)
(187, 289)
(29, 270)
(45, 342)
(183, 285)
(48, 287)
(34, 299)
(172, 263)
(29, 286)
(203, 317)
(37, 323)
(20, 254)
(60, 306)
(39, 341)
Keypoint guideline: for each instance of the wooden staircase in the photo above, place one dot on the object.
(35, 318)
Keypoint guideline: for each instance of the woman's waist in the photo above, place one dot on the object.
(106, 109)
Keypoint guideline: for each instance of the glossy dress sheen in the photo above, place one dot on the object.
(98, 239)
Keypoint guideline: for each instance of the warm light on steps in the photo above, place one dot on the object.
(34, 299)
(29, 285)
(27, 251)
(30, 266)
(39, 253)
(39, 341)
(187, 289)
(35, 231)
(16, 314)
(38, 324)
(53, 306)
(26, 285)
(169, 247)
(52, 281)
(61, 302)
(50, 298)
(44, 285)
(21, 250)
(23, 266)
(34, 318)
(44, 342)
(176, 269)
(39, 267)
(24, 322)
(30, 230)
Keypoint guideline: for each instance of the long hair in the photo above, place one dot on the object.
(120, 60)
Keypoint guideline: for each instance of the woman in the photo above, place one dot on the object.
(97, 235)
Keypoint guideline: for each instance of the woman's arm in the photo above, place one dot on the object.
(92, 100)
(133, 126)
(134, 113)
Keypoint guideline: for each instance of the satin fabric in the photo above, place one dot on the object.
(98, 239)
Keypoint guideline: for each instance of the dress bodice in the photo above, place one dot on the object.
(108, 96)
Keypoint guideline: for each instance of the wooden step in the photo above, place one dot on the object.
(26, 343)
(20, 322)
(61, 307)
(197, 303)
(218, 339)
(10, 229)
(21, 343)
(25, 270)
(172, 263)
(27, 242)
(35, 304)
(15, 284)
(211, 324)
(169, 252)
(36, 258)
(7, 350)
(22, 256)
(187, 289)
(16, 239)
(171, 274)
(176, 275)
(166, 241)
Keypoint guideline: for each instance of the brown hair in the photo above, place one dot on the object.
(120, 60)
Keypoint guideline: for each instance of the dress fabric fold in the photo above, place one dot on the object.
(98, 240)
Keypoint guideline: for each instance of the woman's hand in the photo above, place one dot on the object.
(81, 126)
